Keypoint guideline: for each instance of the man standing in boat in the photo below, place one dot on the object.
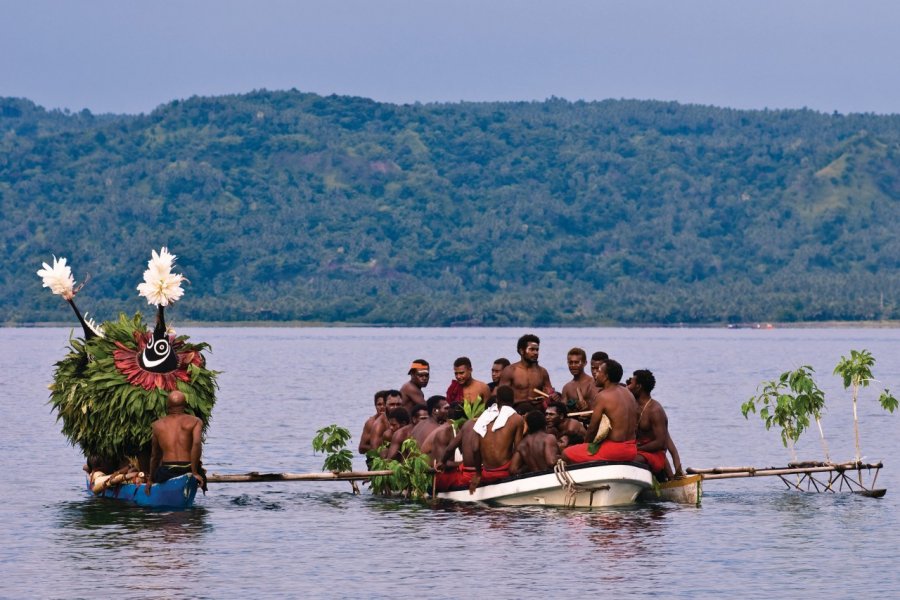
(530, 382)
(653, 437)
(579, 393)
(618, 405)
(496, 370)
(464, 386)
(176, 441)
(411, 391)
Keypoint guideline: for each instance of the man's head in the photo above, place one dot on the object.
(438, 408)
(392, 400)
(462, 370)
(379, 401)
(497, 368)
(419, 373)
(528, 347)
(535, 421)
(609, 371)
(641, 383)
(175, 402)
(505, 395)
(576, 359)
(596, 359)
(419, 413)
(555, 413)
(397, 418)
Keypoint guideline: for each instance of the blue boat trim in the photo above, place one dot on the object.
(178, 492)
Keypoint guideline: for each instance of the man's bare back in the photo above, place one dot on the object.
(537, 451)
(497, 447)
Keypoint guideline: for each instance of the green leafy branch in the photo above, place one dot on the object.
(856, 372)
(332, 441)
(410, 476)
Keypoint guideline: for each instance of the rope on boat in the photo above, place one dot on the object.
(566, 481)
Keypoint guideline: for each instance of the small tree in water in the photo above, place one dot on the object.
(789, 402)
(410, 476)
(332, 440)
(856, 372)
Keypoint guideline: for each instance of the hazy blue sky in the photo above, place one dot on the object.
(120, 56)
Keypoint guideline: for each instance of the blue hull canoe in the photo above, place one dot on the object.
(175, 493)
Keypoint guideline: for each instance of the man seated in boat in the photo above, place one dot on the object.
(530, 381)
(452, 473)
(464, 386)
(438, 440)
(538, 450)
(437, 410)
(411, 391)
(400, 428)
(578, 394)
(569, 439)
(653, 439)
(618, 405)
(366, 441)
(501, 429)
(381, 430)
(558, 421)
(496, 370)
(418, 414)
(176, 444)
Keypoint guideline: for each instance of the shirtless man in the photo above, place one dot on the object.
(411, 391)
(538, 450)
(366, 440)
(437, 410)
(176, 441)
(618, 404)
(526, 376)
(578, 394)
(381, 430)
(400, 428)
(465, 386)
(597, 358)
(501, 437)
(467, 473)
(419, 413)
(559, 423)
(653, 437)
(496, 369)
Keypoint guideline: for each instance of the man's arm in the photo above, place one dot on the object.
(551, 450)
(364, 444)
(396, 441)
(676, 459)
(515, 465)
(660, 431)
(595, 421)
(196, 449)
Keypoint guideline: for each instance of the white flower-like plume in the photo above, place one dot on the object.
(58, 278)
(161, 287)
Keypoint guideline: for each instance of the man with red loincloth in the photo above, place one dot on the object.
(653, 437)
(617, 404)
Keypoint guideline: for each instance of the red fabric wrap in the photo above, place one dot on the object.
(455, 393)
(496, 473)
(460, 477)
(609, 450)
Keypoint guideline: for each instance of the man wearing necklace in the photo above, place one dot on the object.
(653, 439)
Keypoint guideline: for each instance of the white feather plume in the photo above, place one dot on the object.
(161, 287)
(58, 278)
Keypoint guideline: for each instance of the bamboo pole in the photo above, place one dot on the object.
(255, 477)
(813, 465)
(772, 471)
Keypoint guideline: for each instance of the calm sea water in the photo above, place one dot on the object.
(749, 539)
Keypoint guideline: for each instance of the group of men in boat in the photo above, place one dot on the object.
(176, 446)
(527, 426)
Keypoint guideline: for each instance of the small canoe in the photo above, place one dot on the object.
(585, 485)
(176, 493)
(687, 490)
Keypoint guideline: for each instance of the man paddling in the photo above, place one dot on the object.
(176, 444)
(530, 382)
(618, 404)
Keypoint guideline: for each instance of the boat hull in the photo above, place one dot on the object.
(687, 490)
(176, 493)
(588, 485)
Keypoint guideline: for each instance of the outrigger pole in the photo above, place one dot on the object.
(841, 477)
(257, 477)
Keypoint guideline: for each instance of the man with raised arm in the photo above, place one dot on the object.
(176, 442)
(366, 440)
(578, 394)
(530, 382)
(653, 437)
(411, 391)
(618, 404)
(538, 450)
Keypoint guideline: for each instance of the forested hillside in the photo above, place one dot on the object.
(292, 206)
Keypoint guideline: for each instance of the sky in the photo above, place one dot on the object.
(125, 56)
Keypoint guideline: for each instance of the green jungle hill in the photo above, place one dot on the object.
(288, 206)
